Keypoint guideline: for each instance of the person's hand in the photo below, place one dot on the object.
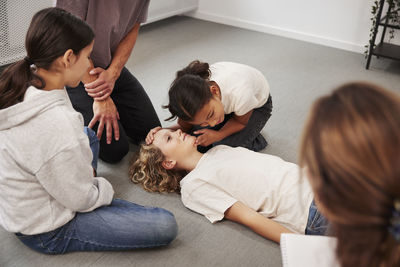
(207, 137)
(107, 115)
(102, 87)
(150, 135)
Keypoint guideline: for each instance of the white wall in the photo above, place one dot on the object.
(161, 9)
(342, 24)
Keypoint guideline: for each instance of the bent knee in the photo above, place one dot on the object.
(167, 227)
(114, 152)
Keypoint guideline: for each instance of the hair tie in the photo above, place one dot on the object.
(28, 60)
(394, 227)
(32, 65)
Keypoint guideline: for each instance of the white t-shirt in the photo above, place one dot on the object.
(265, 183)
(243, 88)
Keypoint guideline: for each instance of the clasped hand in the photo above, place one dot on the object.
(207, 137)
(99, 84)
(102, 87)
(105, 112)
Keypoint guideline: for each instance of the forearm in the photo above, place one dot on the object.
(263, 226)
(231, 126)
(123, 51)
(235, 124)
(71, 182)
(267, 228)
(88, 78)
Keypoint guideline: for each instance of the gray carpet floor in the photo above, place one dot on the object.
(298, 73)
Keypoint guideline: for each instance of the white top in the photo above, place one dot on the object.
(265, 183)
(45, 164)
(243, 88)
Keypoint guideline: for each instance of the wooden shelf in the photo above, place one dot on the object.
(383, 49)
(387, 50)
(389, 25)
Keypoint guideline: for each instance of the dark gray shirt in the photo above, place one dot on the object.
(111, 20)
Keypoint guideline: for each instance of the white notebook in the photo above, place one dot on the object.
(306, 250)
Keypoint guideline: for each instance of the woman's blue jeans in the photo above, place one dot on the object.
(120, 226)
(94, 145)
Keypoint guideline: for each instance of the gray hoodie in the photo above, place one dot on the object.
(45, 164)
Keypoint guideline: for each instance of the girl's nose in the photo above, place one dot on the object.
(179, 132)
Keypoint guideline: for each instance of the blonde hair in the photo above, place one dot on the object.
(351, 151)
(146, 169)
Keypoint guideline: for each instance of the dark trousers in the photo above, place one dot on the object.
(249, 137)
(137, 114)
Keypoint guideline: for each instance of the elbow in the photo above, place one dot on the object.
(82, 204)
(84, 201)
(241, 124)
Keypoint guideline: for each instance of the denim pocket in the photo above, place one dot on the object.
(44, 243)
(317, 223)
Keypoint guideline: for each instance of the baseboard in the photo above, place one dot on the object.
(278, 31)
(170, 14)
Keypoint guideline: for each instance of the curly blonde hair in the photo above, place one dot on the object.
(146, 169)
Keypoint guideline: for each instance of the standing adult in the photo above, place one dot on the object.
(115, 102)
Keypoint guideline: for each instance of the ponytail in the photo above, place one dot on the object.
(14, 81)
(190, 91)
(201, 69)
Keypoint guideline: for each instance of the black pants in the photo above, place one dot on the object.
(249, 137)
(137, 114)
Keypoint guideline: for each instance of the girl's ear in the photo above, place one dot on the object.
(68, 58)
(214, 90)
(168, 164)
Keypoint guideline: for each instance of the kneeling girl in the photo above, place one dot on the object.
(224, 103)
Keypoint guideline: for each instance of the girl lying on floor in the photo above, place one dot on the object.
(258, 190)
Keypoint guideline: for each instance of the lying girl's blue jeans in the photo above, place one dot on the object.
(120, 226)
(94, 145)
(317, 224)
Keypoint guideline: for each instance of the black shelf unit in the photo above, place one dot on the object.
(383, 49)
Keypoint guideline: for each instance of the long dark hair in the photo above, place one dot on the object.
(52, 32)
(190, 91)
(351, 151)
